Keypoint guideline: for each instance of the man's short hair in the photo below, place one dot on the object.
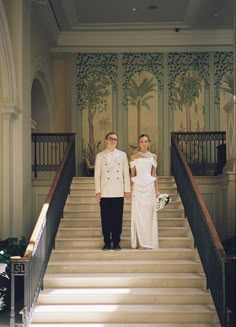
(110, 133)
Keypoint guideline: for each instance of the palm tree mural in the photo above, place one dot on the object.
(93, 93)
(187, 90)
(139, 95)
(227, 84)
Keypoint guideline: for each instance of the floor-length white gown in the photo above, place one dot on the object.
(144, 231)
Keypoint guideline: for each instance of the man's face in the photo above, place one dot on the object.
(111, 141)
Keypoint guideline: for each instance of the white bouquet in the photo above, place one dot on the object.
(162, 201)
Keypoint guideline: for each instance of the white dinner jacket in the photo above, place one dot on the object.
(112, 177)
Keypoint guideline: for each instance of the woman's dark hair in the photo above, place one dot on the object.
(144, 135)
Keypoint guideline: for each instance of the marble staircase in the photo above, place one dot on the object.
(87, 287)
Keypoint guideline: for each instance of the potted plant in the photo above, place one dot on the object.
(9, 247)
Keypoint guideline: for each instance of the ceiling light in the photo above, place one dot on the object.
(152, 7)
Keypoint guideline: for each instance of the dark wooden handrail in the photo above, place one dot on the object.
(33, 264)
(216, 264)
(200, 200)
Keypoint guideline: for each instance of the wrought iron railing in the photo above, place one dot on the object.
(205, 152)
(33, 264)
(215, 262)
(48, 150)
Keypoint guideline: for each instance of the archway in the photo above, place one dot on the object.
(39, 108)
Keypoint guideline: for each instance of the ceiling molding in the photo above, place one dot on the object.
(146, 39)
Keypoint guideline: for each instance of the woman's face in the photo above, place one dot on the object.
(144, 143)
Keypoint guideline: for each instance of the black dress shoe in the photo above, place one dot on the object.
(107, 247)
(117, 247)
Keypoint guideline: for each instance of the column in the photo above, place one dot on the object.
(8, 114)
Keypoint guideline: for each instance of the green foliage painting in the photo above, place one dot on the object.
(227, 84)
(187, 90)
(94, 92)
(139, 95)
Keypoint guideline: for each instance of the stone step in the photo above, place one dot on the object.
(123, 266)
(127, 280)
(125, 254)
(89, 213)
(90, 198)
(96, 222)
(72, 204)
(124, 313)
(168, 180)
(87, 287)
(125, 296)
(89, 190)
(97, 232)
(96, 243)
(127, 325)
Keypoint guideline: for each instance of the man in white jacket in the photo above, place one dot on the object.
(112, 183)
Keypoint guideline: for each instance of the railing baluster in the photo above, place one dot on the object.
(48, 150)
(202, 151)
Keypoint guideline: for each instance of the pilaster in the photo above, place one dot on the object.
(8, 113)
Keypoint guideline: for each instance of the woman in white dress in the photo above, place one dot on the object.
(144, 232)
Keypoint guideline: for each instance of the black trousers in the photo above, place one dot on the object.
(112, 216)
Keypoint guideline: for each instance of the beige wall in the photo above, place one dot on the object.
(214, 191)
(61, 73)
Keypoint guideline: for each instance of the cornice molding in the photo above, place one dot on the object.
(144, 38)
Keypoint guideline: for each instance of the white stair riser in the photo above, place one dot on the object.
(95, 206)
(95, 298)
(98, 243)
(90, 191)
(96, 223)
(156, 281)
(88, 196)
(175, 213)
(127, 325)
(125, 316)
(125, 268)
(126, 232)
(160, 254)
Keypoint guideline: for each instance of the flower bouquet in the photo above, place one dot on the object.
(162, 200)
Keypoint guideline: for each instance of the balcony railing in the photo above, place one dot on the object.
(205, 152)
(48, 150)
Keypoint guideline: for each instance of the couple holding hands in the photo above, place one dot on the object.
(113, 184)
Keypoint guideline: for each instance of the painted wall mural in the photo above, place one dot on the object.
(96, 78)
(142, 84)
(188, 90)
(223, 63)
(142, 109)
(153, 93)
(189, 102)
